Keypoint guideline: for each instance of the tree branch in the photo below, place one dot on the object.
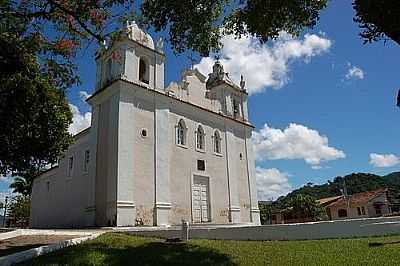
(81, 23)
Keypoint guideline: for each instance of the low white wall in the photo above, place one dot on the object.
(317, 230)
(18, 257)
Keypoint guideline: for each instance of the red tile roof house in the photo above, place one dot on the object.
(360, 205)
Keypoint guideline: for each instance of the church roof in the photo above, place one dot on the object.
(247, 123)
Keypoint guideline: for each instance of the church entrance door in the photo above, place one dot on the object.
(200, 198)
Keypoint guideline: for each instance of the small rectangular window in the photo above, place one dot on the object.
(235, 108)
(86, 162)
(359, 210)
(201, 165)
(363, 210)
(70, 165)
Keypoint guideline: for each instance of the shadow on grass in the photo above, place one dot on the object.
(153, 253)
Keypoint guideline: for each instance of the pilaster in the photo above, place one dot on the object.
(234, 203)
(251, 170)
(90, 208)
(126, 212)
(162, 155)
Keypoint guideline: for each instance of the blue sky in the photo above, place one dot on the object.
(308, 88)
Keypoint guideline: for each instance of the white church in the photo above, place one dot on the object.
(153, 155)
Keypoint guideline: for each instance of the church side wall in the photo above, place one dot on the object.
(59, 200)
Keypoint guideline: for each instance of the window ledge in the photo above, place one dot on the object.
(182, 146)
(201, 150)
(218, 154)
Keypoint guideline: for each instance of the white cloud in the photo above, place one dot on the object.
(80, 121)
(316, 167)
(354, 72)
(294, 142)
(271, 183)
(84, 95)
(383, 160)
(265, 65)
(6, 179)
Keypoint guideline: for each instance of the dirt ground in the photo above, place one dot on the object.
(21, 243)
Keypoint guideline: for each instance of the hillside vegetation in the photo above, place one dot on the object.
(355, 183)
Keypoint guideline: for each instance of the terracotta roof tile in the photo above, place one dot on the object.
(358, 198)
(329, 200)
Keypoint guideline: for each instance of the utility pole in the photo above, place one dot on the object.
(5, 211)
(346, 196)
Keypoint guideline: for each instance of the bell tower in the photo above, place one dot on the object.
(232, 99)
(129, 63)
(131, 56)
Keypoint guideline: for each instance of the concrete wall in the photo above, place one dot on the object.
(305, 231)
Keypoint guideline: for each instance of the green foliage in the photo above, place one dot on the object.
(191, 24)
(19, 211)
(119, 249)
(355, 183)
(266, 18)
(265, 212)
(306, 206)
(33, 109)
(199, 25)
(378, 19)
(22, 185)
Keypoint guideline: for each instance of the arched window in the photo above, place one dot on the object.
(143, 71)
(342, 213)
(217, 142)
(181, 133)
(200, 138)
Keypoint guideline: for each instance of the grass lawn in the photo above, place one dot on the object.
(120, 249)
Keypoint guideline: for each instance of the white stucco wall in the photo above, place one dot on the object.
(163, 171)
(59, 200)
(305, 231)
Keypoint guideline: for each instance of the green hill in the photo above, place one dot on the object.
(355, 183)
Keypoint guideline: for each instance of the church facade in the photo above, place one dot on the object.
(153, 155)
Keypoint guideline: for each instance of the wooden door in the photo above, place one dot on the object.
(200, 197)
